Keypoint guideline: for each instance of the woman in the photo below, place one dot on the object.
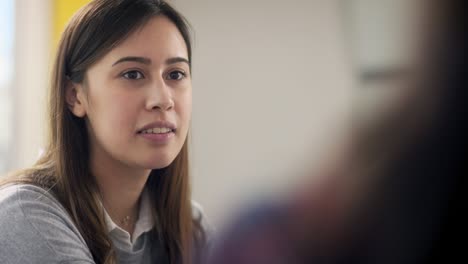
(113, 184)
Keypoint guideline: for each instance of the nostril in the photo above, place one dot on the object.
(161, 105)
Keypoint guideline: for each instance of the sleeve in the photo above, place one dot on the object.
(35, 228)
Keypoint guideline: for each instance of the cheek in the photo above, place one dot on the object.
(185, 106)
(114, 115)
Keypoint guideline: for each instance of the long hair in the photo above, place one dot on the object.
(64, 168)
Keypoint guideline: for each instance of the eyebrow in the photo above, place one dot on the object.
(147, 61)
(142, 60)
(176, 60)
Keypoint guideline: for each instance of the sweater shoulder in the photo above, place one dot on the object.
(34, 227)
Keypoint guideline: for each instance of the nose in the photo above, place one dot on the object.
(160, 97)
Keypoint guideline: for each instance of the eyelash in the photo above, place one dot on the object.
(140, 75)
(182, 73)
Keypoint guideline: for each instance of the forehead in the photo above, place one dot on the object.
(158, 39)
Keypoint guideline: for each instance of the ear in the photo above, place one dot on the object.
(76, 100)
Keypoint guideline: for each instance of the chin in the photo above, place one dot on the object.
(158, 162)
(158, 159)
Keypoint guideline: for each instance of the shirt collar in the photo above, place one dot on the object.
(144, 223)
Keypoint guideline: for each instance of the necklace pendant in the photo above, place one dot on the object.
(126, 220)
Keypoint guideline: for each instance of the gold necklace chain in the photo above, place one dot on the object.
(126, 220)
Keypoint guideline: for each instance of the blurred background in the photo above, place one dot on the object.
(275, 83)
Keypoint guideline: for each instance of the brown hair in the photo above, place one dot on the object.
(64, 168)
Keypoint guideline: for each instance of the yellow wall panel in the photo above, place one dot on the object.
(62, 12)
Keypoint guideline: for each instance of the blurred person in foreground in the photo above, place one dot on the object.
(393, 191)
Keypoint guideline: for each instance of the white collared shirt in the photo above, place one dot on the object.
(121, 238)
(136, 248)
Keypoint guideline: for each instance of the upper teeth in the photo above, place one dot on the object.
(156, 130)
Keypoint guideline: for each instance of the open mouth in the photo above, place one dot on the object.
(157, 130)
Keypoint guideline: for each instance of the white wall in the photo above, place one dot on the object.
(32, 60)
(271, 81)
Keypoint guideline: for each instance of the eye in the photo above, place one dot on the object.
(133, 75)
(176, 75)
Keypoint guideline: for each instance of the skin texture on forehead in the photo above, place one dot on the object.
(137, 42)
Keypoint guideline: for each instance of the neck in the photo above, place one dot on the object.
(121, 187)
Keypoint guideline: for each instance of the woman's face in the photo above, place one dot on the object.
(137, 99)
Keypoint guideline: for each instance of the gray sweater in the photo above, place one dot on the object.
(36, 228)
